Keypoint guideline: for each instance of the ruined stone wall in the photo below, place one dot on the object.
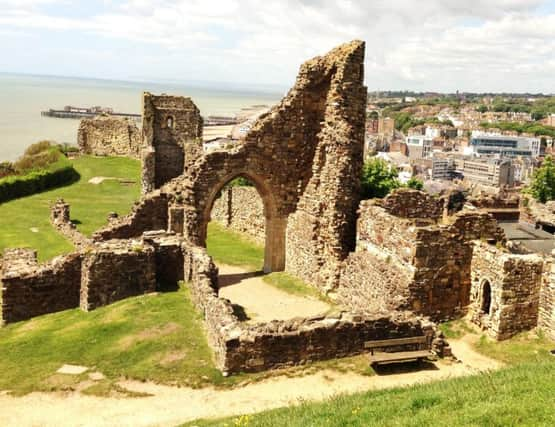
(150, 213)
(241, 347)
(109, 136)
(97, 275)
(546, 314)
(408, 203)
(515, 282)
(116, 270)
(306, 154)
(414, 263)
(30, 289)
(172, 138)
(60, 219)
(241, 209)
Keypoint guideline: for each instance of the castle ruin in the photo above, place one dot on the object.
(394, 266)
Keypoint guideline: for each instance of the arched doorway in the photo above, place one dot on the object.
(486, 298)
(274, 224)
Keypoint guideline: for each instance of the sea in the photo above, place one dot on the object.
(23, 97)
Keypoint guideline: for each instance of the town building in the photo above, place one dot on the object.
(489, 171)
(419, 146)
(503, 145)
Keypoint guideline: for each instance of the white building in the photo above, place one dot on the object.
(503, 145)
(420, 146)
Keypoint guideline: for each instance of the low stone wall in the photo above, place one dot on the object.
(150, 213)
(546, 314)
(241, 209)
(505, 295)
(60, 219)
(95, 276)
(109, 136)
(116, 270)
(240, 347)
(30, 289)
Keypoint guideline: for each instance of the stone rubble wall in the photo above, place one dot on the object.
(409, 203)
(109, 136)
(114, 270)
(150, 213)
(241, 209)
(97, 275)
(413, 263)
(241, 347)
(546, 320)
(515, 281)
(30, 289)
(172, 138)
(60, 219)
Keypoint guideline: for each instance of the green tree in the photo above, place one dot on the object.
(378, 179)
(542, 187)
(415, 183)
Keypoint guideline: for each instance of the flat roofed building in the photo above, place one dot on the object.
(504, 145)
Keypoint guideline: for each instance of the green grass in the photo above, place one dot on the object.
(90, 205)
(229, 247)
(524, 348)
(517, 396)
(157, 337)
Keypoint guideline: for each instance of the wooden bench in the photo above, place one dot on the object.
(397, 356)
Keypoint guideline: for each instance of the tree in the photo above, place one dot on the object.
(542, 187)
(415, 184)
(378, 179)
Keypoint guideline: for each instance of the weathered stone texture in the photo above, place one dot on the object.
(115, 270)
(150, 213)
(505, 295)
(97, 275)
(109, 136)
(242, 347)
(408, 203)
(241, 209)
(413, 263)
(30, 289)
(60, 219)
(546, 314)
(172, 138)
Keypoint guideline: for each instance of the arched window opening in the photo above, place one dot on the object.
(169, 122)
(486, 297)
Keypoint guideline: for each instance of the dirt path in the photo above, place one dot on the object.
(263, 302)
(170, 406)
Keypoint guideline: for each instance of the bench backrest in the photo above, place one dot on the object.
(396, 341)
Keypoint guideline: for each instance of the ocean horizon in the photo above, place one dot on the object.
(24, 96)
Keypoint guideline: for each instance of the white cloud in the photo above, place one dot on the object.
(429, 44)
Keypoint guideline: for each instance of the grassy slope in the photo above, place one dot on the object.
(156, 337)
(517, 396)
(90, 205)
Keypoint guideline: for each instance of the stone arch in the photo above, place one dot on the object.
(485, 297)
(275, 223)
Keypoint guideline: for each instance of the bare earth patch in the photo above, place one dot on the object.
(170, 406)
(263, 302)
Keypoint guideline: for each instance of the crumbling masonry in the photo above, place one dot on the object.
(405, 263)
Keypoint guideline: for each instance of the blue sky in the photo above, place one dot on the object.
(494, 45)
